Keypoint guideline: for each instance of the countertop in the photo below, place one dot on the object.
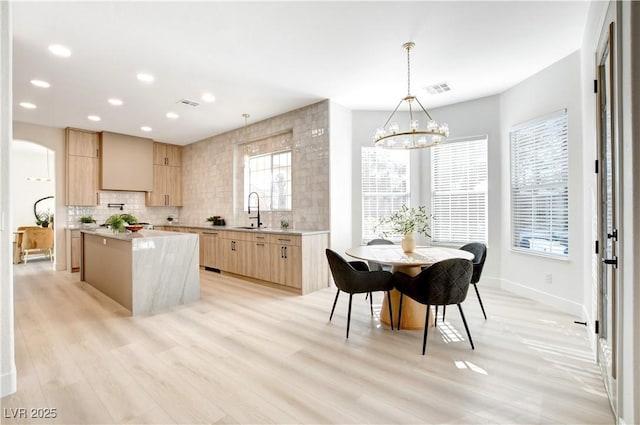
(141, 234)
(275, 230)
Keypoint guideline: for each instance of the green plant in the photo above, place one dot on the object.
(116, 222)
(43, 218)
(407, 220)
(87, 219)
(210, 219)
(130, 219)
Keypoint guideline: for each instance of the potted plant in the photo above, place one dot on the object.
(43, 218)
(87, 220)
(406, 221)
(129, 219)
(116, 223)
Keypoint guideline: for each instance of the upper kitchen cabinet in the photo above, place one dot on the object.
(166, 154)
(127, 162)
(83, 152)
(167, 176)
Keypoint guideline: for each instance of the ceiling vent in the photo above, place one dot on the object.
(438, 88)
(188, 102)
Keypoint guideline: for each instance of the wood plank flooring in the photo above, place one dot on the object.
(251, 354)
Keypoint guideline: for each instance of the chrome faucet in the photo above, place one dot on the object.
(257, 216)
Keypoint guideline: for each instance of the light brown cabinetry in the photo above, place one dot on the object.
(167, 176)
(127, 162)
(73, 250)
(235, 249)
(259, 258)
(212, 246)
(83, 149)
(286, 260)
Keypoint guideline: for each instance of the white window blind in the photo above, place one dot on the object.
(385, 188)
(459, 191)
(270, 176)
(539, 186)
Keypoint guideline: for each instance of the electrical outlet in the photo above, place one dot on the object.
(548, 278)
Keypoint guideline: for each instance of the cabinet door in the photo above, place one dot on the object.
(82, 180)
(235, 255)
(174, 155)
(173, 185)
(159, 153)
(211, 250)
(286, 265)
(75, 251)
(258, 264)
(82, 143)
(158, 196)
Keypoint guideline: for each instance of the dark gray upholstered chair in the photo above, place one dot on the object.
(354, 277)
(373, 266)
(444, 283)
(479, 251)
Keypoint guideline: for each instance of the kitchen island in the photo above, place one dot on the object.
(146, 272)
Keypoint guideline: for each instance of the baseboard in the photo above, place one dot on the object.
(8, 382)
(562, 304)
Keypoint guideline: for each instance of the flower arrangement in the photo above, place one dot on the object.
(408, 220)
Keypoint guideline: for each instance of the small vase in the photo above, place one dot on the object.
(408, 243)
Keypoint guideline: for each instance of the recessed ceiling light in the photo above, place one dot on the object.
(208, 97)
(145, 78)
(115, 102)
(145, 128)
(60, 50)
(93, 118)
(28, 105)
(40, 83)
(172, 115)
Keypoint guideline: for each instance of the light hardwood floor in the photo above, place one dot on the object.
(251, 354)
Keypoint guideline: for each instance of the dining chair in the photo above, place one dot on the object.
(374, 266)
(37, 240)
(444, 283)
(479, 251)
(354, 277)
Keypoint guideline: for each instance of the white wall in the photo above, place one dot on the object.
(340, 172)
(8, 379)
(554, 88)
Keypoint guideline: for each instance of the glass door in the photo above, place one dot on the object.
(607, 214)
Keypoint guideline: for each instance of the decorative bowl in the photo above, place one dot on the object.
(134, 227)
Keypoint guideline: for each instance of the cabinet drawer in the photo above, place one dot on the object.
(237, 236)
(285, 239)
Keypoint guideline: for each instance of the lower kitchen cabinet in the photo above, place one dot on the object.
(211, 247)
(73, 250)
(286, 265)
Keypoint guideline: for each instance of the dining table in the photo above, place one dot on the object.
(413, 313)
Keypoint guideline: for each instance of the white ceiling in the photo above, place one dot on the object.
(266, 58)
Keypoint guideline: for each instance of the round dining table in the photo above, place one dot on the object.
(413, 313)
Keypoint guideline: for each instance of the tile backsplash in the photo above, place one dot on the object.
(134, 203)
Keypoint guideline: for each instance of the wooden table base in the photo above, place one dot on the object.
(412, 312)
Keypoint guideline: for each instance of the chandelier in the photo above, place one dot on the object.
(391, 136)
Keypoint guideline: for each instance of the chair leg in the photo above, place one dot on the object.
(399, 310)
(371, 302)
(426, 329)
(349, 315)
(334, 304)
(466, 327)
(435, 318)
(390, 310)
(480, 299)
(444, 311)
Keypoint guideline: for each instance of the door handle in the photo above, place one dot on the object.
(611, 261)
(613, 235)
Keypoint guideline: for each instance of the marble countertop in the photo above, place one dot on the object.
(141, 234)
(275, 230)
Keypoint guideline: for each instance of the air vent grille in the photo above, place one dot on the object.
(188, 102)
(438, 88)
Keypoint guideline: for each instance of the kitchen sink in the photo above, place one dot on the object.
(248, 227)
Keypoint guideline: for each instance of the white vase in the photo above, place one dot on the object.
(408, 243)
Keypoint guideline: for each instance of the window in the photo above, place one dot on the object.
(385, 188)
(459, 191)
(270, 176)
(539, 186)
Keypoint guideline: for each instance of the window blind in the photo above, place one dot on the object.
(385, 188)
(459, 191)
(539, 185)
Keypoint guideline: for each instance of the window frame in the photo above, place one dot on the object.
(555, 238)
(364, 194)
(484, 238)
(248, 186)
